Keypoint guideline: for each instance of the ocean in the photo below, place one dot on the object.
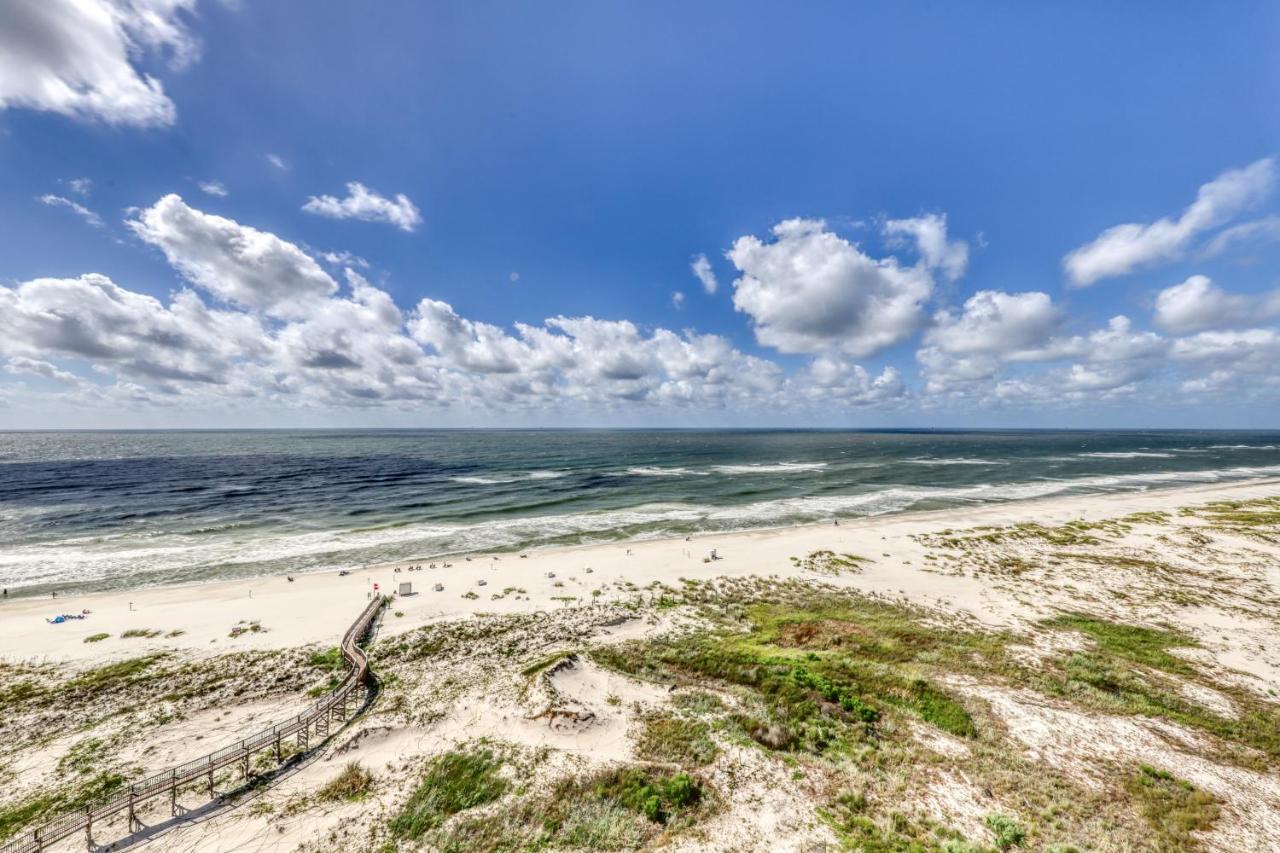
(101, 510)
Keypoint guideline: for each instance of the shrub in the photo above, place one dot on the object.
(656, 797)
(1006, 830)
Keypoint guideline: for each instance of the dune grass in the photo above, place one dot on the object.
(453, 782)
(1145, 646)
(829, 562)
(114, 675)
(824, 668)
(353, 783)
(621, 808)
(676, 740)
(46, 804)
(1174, 808)
(1127, 672)
(329, 659)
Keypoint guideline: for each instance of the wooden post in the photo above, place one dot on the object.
(277, 749)
(88, 827)
(211, 783)
(244, 765)
(133, 818)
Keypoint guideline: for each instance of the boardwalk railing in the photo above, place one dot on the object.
(317, 715)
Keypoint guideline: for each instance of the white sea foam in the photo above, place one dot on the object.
(1244, 447)
(495, 480)
(1128, 454)
(776, 468)
(957, 461)
(654, 471)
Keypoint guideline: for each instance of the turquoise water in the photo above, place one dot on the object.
(110, 509)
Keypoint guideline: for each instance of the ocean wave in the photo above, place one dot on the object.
(1128, 454)
(655, 471)
(1244, 447)
(957, 461)
(770, 468)
(477, 480)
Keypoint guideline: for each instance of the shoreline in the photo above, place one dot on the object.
(101, 588)
(314, 606)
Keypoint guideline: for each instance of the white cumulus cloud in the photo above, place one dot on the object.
(811, 291)
(704, 273)
(828, 379)
(930, 235)
(1122, 249)
(365, 204)
(235, 262)
(995, 321)
(1197, 304)
(76, 57)
(35, 367)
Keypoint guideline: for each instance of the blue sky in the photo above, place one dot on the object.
(533, 161)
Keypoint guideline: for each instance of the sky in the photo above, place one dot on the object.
(269, 213)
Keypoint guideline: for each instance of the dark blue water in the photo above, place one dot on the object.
(106, 509)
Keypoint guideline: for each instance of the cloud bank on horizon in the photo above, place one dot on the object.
(819, 317)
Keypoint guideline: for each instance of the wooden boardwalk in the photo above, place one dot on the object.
(316, 718)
